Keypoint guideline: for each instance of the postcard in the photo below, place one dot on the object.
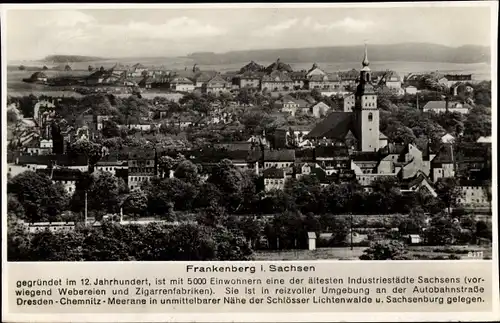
(249, 162)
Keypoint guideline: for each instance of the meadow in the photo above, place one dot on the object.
(345, 253)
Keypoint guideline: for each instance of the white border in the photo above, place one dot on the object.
(260, 317)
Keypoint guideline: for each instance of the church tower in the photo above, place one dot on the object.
(366, 113)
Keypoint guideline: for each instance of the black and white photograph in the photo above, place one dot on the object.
(247, 133)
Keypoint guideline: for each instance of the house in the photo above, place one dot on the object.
(414, 239)
(311, 238)
(383, 140)
(349, 102)
(181, 84)
(101, 119)
(443, 164)
(446, 106)
(278, 158)
(287, 105)
(142, 167)
(410, 90)
(299, 79)
(484, 140)
(216, 85)
(146, 83)
(277, 80)
(66, 176)
(452, 79)
(391, 79)
(112, 164)
(294, 135)
(137, 70)
(447, 139)
(37, 77)
(248, 79)
(419, 183)
(475, 193)
(274, 179)
(316, 78)
(320, 109)
(349, 78)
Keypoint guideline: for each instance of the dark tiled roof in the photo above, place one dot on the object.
(61, 174)
(366, 156)
(279, 155)
(252, 67)
(277, 76)
(331, 151)
(335, 126)
(279, 66)
(245, 145)
(273, 173)
(444, 156)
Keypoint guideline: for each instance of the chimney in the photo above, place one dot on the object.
(447, 103)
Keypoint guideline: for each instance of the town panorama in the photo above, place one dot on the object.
(265, 162)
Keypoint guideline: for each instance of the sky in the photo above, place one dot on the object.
(168, 32)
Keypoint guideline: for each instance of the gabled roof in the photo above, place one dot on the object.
(444, 156)
(252, 67)
(279, 66)
(181, 80)
(331, 151)
(274, 172)
(277, 76)
(138, 65)
(251, 75)
(217, 79)
(284, 155)
(335, 126)
(204, 76)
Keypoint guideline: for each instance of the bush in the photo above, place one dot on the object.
(115, 242)
(383, 250)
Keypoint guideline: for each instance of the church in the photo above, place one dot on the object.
(357, 135)
(358, 129)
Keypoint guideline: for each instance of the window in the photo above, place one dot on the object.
(370, 116)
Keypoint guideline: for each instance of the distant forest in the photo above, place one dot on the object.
(408, 52)
(71, 58)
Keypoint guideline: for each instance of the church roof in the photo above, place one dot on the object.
(335, 126)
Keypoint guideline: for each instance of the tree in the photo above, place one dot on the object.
(448, 191)
(338, 226)
(442, 231)
(84, 147)
(22, 67)
(477, 124)
(110, 129)
(45, 68)
(90, 68)
(104, 193)
(41, 199)
(135, 204)
(231, 182)
(306, 192)
(383, 250)
(15, 209)
(187, 171)
(168, 193)
(12, 116)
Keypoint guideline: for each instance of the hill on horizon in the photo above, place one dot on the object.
(410, 52)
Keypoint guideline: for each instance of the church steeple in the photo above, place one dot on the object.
(366, 62)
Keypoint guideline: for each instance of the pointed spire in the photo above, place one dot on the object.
(366, 62)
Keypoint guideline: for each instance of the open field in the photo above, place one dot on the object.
(345, 253)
